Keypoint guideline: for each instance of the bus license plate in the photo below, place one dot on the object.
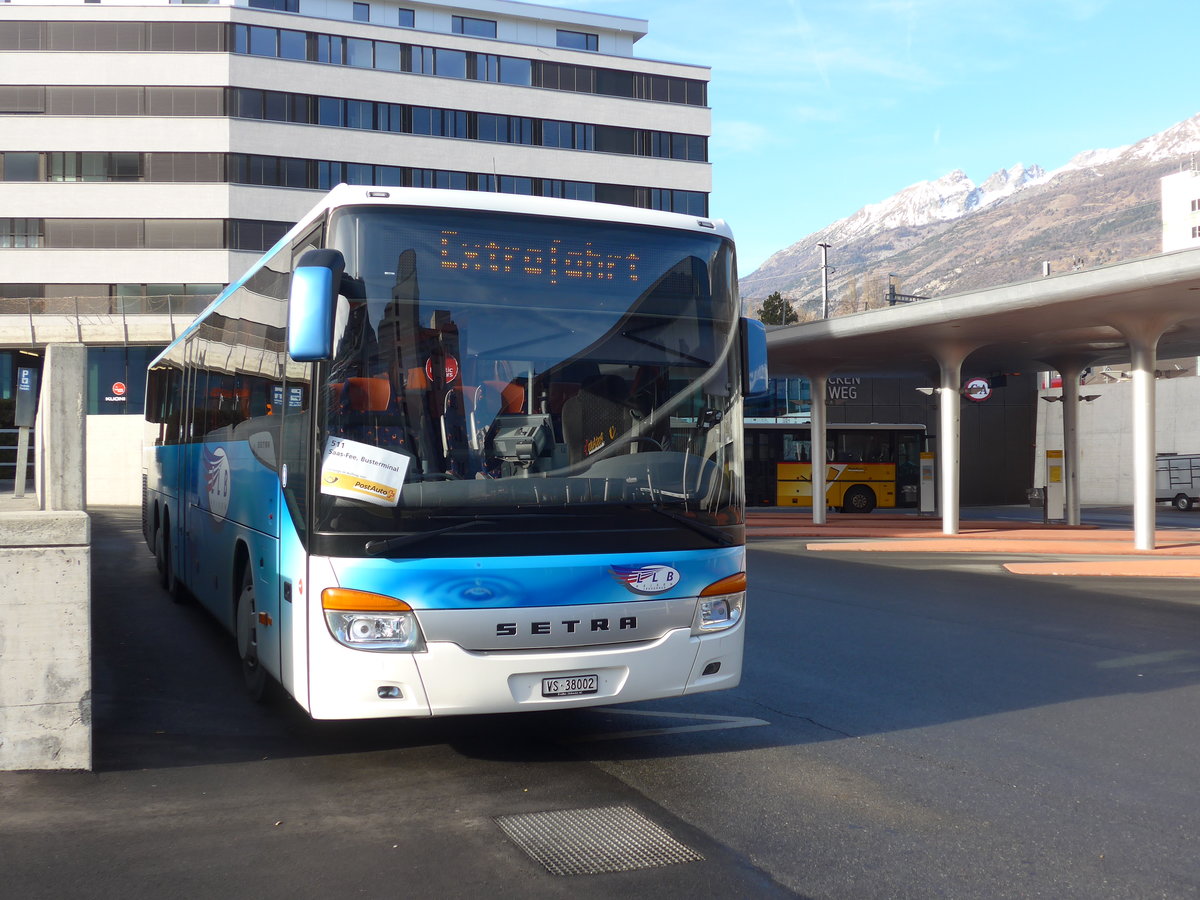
(570, 685)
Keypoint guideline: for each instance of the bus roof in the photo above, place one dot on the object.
(486, 201)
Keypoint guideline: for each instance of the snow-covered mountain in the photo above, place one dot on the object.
(1100, 205)
(947, 198)
(1179, 140)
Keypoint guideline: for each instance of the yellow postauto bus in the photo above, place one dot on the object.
(866, 465)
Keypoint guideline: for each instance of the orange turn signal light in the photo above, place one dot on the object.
(361, 601)
(734, 584)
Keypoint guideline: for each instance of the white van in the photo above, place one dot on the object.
(1177, 479)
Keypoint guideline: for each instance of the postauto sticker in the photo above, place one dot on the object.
(646, 579)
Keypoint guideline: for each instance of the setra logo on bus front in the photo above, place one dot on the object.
(646, 579)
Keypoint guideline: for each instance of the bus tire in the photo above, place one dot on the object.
(257, 681)
(164, 562)
(1182, 502)
(859, 499)
(160, 558)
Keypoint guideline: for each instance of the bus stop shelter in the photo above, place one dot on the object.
(1132, 312)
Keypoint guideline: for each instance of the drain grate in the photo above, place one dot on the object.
(592, 841)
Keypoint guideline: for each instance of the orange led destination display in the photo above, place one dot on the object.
(555, 261)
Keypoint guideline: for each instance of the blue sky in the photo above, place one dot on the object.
(820, 108)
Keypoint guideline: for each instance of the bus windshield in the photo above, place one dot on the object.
(491, 365)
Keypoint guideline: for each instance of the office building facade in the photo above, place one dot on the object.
(149, 152)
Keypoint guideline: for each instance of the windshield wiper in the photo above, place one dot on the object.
(709, 531)
(387, 545)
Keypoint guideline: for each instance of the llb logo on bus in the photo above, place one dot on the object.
(646, 579)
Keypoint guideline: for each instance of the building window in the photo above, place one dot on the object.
(22, 99)
(502, 69)
(277, 5)
(450, 63)
(21, 232)
(1196, 206)
(568, 135)
(1195, 231)
(117, 379)
(362, 12)
(388, 56)
(246, 234)
(21, 166)
(318, 47)
(473, 27)
(278, 106)
(293, 45)
(90, 166)
(578, 40)
(360, 53)
(263, 41)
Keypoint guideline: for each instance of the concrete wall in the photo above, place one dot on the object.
(45, 606)
(45, 640)
(114, 460)
(1106, 435)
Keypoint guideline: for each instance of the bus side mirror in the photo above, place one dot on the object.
(313, 304)
(754, 356)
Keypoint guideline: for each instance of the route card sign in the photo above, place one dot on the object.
(362, 472)
(978, 389)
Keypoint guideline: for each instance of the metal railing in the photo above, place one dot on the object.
(8, 458)
(893, 298)
(154, 305)
(83, 312)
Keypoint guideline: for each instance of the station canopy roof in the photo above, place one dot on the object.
(1079, 317)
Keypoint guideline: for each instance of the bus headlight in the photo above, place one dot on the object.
(721, 605)
(368, 621)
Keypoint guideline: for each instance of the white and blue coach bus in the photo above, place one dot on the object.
(444, 452)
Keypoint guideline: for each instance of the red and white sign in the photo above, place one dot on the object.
(978, 389)
(118, 388)
(451, 369)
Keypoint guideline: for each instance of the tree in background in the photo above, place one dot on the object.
(777, 311)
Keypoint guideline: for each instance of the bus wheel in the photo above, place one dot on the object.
(1183, 502)
(246, 627)
(164, 563)
(160, 556)
(859, 499)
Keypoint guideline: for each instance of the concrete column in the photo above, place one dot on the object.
(1070, 402)
(817, 428)
(61, 428)
(950, 361)
(1142, 335)
(1069, 369)
(1144, 358)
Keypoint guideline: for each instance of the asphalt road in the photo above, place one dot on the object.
(907, 727)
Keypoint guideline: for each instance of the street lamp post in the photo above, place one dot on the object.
(824, 280)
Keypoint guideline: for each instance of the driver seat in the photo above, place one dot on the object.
(596, 416)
